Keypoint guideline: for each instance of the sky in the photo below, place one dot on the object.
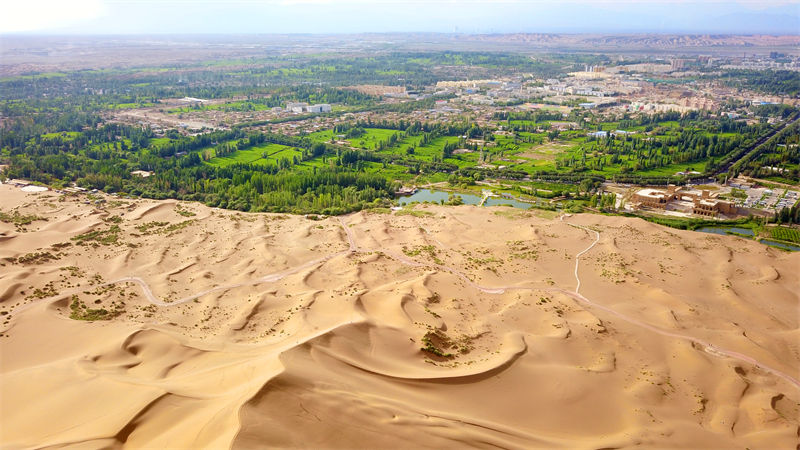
(359, 16)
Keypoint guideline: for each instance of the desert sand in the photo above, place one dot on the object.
(435, 327)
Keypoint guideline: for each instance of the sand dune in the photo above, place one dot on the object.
(459, 327)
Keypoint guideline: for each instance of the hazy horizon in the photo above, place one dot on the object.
(102, 17)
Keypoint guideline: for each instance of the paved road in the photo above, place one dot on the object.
(758, 143)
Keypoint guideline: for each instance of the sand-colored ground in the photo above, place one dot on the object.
(226, 329)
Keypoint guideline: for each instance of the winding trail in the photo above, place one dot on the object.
(707, 346)
(354, 248)
(578, 256)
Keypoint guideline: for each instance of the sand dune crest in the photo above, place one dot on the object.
(458, 329)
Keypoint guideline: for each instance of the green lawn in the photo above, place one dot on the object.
(237, 105)
(370, 139)
(65, 135)
(105, 145)
(540, 154)
(262, 154)
(373, 136)
(130, 105)
(158, 142)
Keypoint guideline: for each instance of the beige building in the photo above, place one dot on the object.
(713, 207)
(652, 198)
(703, 203)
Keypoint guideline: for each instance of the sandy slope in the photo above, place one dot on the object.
(254, 330)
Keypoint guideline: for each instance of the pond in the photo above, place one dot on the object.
(782, 245)
(745, 233)
(427, 195)
(495, 201)
(727, 231)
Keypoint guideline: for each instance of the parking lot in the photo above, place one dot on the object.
(770, 199)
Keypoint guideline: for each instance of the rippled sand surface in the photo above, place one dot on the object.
(448, 327)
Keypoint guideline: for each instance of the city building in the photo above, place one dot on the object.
(320, 108)
(297, 108)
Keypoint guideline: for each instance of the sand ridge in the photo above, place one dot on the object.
(452, 327)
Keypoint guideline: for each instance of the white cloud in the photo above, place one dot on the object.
(35, 15)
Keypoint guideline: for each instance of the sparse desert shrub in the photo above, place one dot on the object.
(103, 237)
(36, 258)
(79, 311)
(433, 340)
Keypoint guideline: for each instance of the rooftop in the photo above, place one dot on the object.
(649, 192)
